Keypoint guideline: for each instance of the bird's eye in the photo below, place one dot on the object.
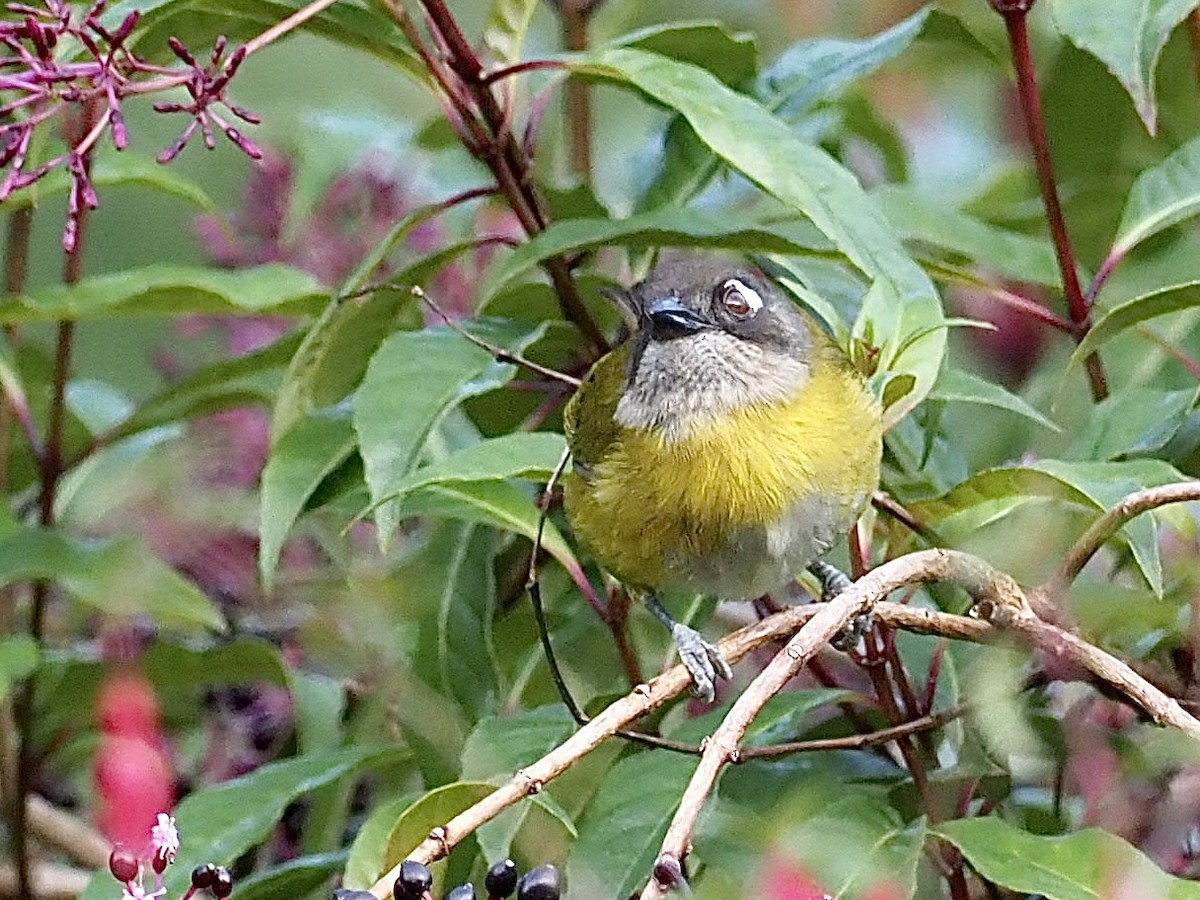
(739, 299)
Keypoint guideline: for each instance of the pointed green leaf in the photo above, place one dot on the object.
(1132, 421)
(1127, 39)
(1159, 302)
(429, 812)
(1087, 865)
(523, 455)
(412, 382)
(466, 656)
(165, 289)
(298, 463)
(958, 386)
(1162, 196)
(294, 878)
(731, 56)
(902, 303)
(119, 577)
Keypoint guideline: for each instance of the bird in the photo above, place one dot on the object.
(722, 449)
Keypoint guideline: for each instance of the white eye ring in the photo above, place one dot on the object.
(735, 290)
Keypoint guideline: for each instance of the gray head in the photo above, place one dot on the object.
(713, 335)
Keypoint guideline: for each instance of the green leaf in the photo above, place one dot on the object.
(813, 69)
(1158, 302)
(319, 703)
(19, 655)
(165, 289)
(249, 379)
(220, 823)
(624, 825)
(902, 303)
(494, 503)
(119, 577)
(431, 811)
(499, 746)
(1132, 421)
(467, 665)
(1162, 196)
(118, 169)
(1011, 254)
(731, 56)
(507, 24)
(524, 455)
(658, 228)
(1087, 865)
(294, 878)
(1127, 39)
(369, 849)
(412, 382)
(299, 461)
(958, 386)
(1094, 485)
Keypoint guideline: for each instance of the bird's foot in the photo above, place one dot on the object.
(833, 582)
(702, 659)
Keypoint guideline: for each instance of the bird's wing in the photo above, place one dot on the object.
(590, 416)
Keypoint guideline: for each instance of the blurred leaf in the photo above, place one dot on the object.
(466, 655)
(732, 56)
(1127, 39)
(298, 462)
(19, 655)
(367, 853)
(119, 577)
(781, 719)
(1158, 302)
(664, 227)
(294, 878)
(889, 849)
(227, 383)
(494, 503)
(622, 830)
(501, 745)
(956, 385)
(117, 169)
(318, 703)
(1134, 420)
(1162, 196)
(164, 289)
(901, 313)
(412, 382)
(813, 69)
(507, 24)
(526, 455)
(1094, 485)
(1082, 866)
(1011, 254)
(432, 810)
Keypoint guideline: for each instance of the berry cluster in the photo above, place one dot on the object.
(415, 882)
(130, 869)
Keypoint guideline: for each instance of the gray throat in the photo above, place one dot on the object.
(678, 385)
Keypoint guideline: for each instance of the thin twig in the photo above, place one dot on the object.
(498, 353)
(1110, 523)
(929, 722)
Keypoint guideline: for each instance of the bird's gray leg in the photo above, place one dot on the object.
(833, 582)
(702, 659)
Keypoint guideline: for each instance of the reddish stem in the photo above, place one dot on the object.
(1014, 14)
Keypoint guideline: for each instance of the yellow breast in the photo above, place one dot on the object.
(655, 512)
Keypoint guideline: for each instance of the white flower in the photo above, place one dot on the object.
(164, 838)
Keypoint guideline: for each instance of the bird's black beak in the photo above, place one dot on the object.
(670, 318)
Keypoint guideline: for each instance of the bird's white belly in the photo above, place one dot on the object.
(758, 559)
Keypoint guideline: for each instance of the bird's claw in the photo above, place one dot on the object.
(702, 659)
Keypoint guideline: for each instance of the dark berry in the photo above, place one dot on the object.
(123, 864)
(462, 892)
(414, 880)
(542, 883)
(351, 894)
(159, 862)
(203, 875)
(501, 879)
(222, 882)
